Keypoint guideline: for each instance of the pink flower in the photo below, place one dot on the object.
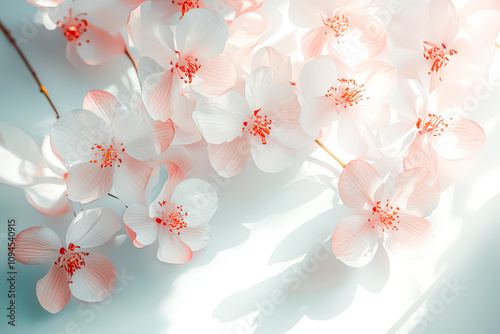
(346, 28)
(193, 62)
(39, 173)
(88, 276)
(431, 125)
(178, 218)
(104, 140)
(389, 211)
(90, 38)
(355, 97)
(265, 123)
(444, 49)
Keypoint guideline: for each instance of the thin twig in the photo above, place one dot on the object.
(497, 45)
(129, 56)
(330, 152)
(42, 88)
(117, 199)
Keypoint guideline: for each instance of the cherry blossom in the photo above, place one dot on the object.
(178, 218)
(346, 28)
(194, 61)
(91, 36)
(431, 125)
(38, 172)
(74, 270)
(391, 211)
(356, 98)
(103, 140)
(265, 123)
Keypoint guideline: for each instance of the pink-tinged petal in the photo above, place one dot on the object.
(94, 281)
(102, 103)
(354, 241)
(215, 76)
(244, 33)
(131, 179)
(87, 182)
(201, 33)
(160, 93)
(52, 290)
(37, 245)
(461, 138)
(444, 23)
(308, 14)
(221, 119)
(196, 238)
(92, 228)
(133, 236)
(75, 133)
(165, 133)
(394, 140)
(414, 237)
(241, 6)
(271, 157)
(186, 131)
(421, 154)
(266, 89)
(317, 112)
(228, 159)
(136, 218)
(269, 57)
(96, 46)
(136, 134)
(198, 199)
(314, 42)
(48, 197)
(286, 127)
(379, 79)
(318, 76)
(353, 136)
(150, 38)
(172, 249)
(417, 191)
(358, 183)
(370, 36)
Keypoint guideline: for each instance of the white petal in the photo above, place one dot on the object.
(92, 228)
(196, 238)
(136, 217)
(171, 248)
(198, 199)
(94, 281)
(87, 182)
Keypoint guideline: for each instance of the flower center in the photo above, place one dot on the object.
(174, 219)
(186, 68)
(107, 156)
(259, 127)
(71, 260)
(386, 215)
(187, 5)
(438, 55)
(337, 25)
(431, 124)
(73, 27)
(347, 93)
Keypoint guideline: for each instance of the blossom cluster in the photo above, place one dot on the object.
(390, 89)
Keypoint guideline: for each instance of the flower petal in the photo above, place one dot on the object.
(313, 42)
(92, 228)
(131, 179)
(443, 15)
(414, 237)
(160, 93)
(358, 184)
(215, 76)
(201, 33)
(421, 154)
(87, 182)
(102, 103)
(244, 33)
(96, 46)
(228, 159)
(354, 241)
(462, 138)
(196, 238)
(198, 199)
(318, 76)
(37, 245)
(267, 89)
(271, 157)
(94, 281)
(221, 119)
(171, 248)
(52, 290)
(136, 218)
(417, 191)
(317, 112)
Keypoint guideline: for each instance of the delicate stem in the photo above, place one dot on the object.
(129, 56)
(117, 199)
(42, 88)
(330, 152)
(497, 45)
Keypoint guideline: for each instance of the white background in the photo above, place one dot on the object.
(269, 267)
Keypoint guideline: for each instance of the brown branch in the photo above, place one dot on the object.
(42, 88)
(330, 152)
